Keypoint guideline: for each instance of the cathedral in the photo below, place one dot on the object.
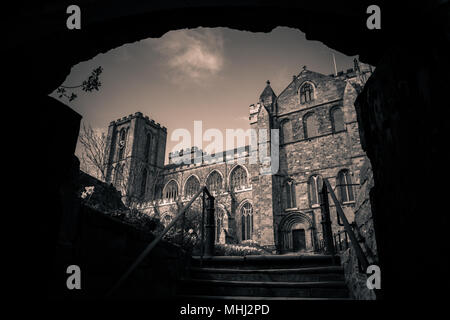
(318, 138)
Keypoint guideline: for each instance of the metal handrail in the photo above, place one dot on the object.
(155, 241)
(338, 240)
(353, 240)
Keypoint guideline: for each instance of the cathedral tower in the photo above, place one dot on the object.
(134, 156)
(261, 117)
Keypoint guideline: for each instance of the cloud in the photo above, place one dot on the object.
(192, 54)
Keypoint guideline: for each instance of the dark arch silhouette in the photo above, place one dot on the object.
(341, 28)
(42, 49)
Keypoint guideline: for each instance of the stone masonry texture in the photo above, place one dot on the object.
(274, 222)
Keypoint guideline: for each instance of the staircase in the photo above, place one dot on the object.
(271, 277)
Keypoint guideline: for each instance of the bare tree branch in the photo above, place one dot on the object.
(92, 158)
(92, 83)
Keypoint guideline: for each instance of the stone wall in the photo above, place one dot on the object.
(109, 247)
(365, 232)
(326, 89)
(227, 201)
(264, 194)
(354, 278)
(363, 214)
(404, 131)
(105, 248)
(134, 160)
(325, 154)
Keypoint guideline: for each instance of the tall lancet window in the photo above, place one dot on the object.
(310, 125)
(289, 188)
(122, 143)
(148, 141)
(247, 221)
(344, 185)
(315, 187)
(337, 119)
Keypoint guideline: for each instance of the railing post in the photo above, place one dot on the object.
(340, 241)
(209, 227)
(354, 242)
(183, 219)
(202, 245)
(326, 221)
(346, 240)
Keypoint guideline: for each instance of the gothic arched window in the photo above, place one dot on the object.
(122, 143)
(247, 221)
(315, 187)
(285, 131)
(344, 184)
(171, 191)
(337, 119)
(148, 141)
(289, 188)
(191, 187)
(310, 125)
(214, 182)
(144, 182)
(238, 178)
(306, 93)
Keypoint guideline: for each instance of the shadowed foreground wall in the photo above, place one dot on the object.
(107, 250)
(107, 239)
(365, 232)
(403, 132)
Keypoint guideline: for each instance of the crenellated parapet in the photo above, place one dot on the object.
(139, 115)
(196, 157)
(253, 111)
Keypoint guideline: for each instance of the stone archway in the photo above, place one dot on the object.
(295, 233)
(45, 50)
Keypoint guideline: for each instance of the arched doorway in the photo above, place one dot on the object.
(298, 240)
(296, 233)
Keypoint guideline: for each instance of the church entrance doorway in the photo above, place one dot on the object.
(298, 240)
(296, 233)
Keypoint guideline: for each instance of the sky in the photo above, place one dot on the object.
(207, 74)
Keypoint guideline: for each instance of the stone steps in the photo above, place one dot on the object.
(329, 289)
(266, 262)
(331, 273)
(289, 277)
